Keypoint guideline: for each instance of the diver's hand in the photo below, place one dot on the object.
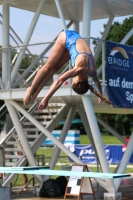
(99, 100)
(103, 99)
(43, 104)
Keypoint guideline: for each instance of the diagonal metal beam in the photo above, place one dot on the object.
(46, 132)
(111, 130)
(22, 136)
(104, 35)
(125, 160)
(62, 137)
(26, 72)
(61, 14)
(27, 39)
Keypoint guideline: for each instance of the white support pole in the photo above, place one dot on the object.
(87, 14)
(126, 38)
(76, 26)
(95, 132)
(104, 35)
(62, 138)
(103, 63)
(22, 136)
(27, 39)
(5, 44)
(46, 132)
(89, 133)
(86, 126)
(97, 139)
(124, 162)
(61, 14)
(63, 135)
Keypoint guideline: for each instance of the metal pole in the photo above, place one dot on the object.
(27, 39)
(61, 14)
(87, 127)
(95, 132)
(125, 160)
(22, 136)
(103, 63)
(87, 12)
(62, 137)
(129, 34)
(97, 139)
(76, 26)
(89, 133)
(104, 35)
(5, 44)
(26, 72)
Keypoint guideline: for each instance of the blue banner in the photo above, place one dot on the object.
(113, 153)
(119, 74)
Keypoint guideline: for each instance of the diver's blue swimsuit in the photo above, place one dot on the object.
(71, 38)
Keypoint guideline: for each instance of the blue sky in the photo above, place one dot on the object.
(46, 29)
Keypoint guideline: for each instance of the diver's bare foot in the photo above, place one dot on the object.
(27, 97)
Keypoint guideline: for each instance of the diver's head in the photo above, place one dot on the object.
(80, 87)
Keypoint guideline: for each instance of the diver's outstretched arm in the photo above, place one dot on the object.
(57, 83)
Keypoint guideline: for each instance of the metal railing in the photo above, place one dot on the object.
(40, 57)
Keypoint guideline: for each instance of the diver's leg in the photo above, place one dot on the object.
(56, 54)
(65, 57)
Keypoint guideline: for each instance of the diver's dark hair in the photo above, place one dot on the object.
(81, 87)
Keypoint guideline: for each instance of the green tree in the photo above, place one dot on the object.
(117, 32)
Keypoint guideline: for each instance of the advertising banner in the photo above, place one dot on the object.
(113, 153)
(119, 74)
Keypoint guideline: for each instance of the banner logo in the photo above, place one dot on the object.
(113, 153)
(119, 49)
(114, 59)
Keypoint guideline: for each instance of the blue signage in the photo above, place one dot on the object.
(119, 74)
(113, 153)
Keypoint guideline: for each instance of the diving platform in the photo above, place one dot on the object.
(100, 8)
(66, 95)
(45, 171)
(31, 127)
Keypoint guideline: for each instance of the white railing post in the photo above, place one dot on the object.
(5, 45)
(103, 62)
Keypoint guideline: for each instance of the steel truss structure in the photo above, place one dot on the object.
(14, 84)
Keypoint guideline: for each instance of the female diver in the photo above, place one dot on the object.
(69, 45)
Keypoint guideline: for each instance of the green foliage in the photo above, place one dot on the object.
(117, 32)
(26, 62)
